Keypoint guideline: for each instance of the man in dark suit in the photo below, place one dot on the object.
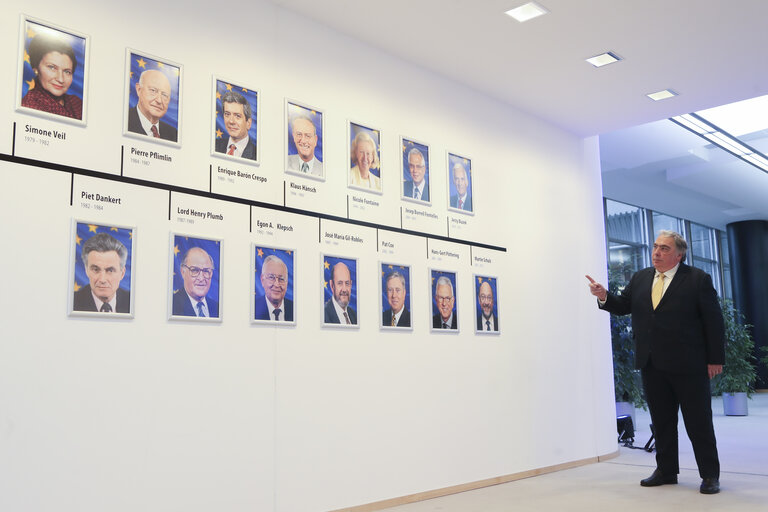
(462, 200)
(274, 279)
(238, 117)
(679, 346)
(486, 320)
(337, 309)
(154, 92)
(417, 187)
(445, 318)
(196, 271)
(104, 258)
(397, 315)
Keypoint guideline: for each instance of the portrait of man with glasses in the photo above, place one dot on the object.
(444, 310)
(196, 283)
(273, 286)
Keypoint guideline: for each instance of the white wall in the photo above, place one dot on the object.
(147, 414)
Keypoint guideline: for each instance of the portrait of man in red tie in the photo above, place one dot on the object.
(235, 130)
(460, 184)
(153, 101)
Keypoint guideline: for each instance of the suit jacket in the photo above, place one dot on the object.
(249, 152)
(182, 306)
(467, 204)
(331, 317)
(408, 190)
(83, 300)
(315, 166)
(437, 321)
(403, 321)
(261, 311)
(685, 332)
(167, 132)
(481, 322)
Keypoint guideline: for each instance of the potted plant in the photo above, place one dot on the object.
(626, 380)
(737, 381)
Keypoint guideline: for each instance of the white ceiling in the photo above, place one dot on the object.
(709, 51)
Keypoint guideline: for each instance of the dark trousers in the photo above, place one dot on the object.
(666, 393)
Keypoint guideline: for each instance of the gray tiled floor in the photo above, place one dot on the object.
(614, 484)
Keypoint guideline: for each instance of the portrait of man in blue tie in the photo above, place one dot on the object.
(415, 162)
(444, 310)
(486, 308)
(273, 285)
(195, 278)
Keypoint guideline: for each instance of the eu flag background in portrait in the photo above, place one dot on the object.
(435, 274)
(328, 264)
(286, 256)
(294, 111)
(77, 44)
(492, 282)
(407, 146)
(251, 96)
(387, 269)
(141, 63)
(84, 232)
(467, 163)
(354, 129)
(181, 244)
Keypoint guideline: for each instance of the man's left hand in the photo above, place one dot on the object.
(714, 369)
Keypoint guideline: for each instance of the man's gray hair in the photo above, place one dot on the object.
(236, 97)
(443, 281)
(104, 242)
(396, 275)
(272, 258)
(416, 151)
(680, 244)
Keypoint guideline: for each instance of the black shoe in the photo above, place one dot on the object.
(658, 478)
(709, 486)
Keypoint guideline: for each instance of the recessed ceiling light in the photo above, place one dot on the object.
(662, 95)
(603, 59)
(527, 12)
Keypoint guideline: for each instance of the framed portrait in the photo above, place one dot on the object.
(445, 310)
(53, 71)
(364, 158)
(274, 294)
(395, 297)
(414, 163)
(340, 291)
(486, 305)
(236, 124)
(152, 98)
(460, 191)
(304, 140)
(195, 279)
(102, 273)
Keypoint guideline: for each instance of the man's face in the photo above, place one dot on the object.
(274, 280)
(485, 298)
(197, 271)
(154, 95)
(395, 294)
(417, 168)
(665, 255)
(444, 298)
(460, 180)
(235, 122)
(341, 284)
(364, 153)
(305, 139)
(55, 73)
(104, 273)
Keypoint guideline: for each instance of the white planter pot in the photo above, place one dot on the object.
(735, 404)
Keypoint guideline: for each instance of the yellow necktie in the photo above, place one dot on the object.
(657, 291)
